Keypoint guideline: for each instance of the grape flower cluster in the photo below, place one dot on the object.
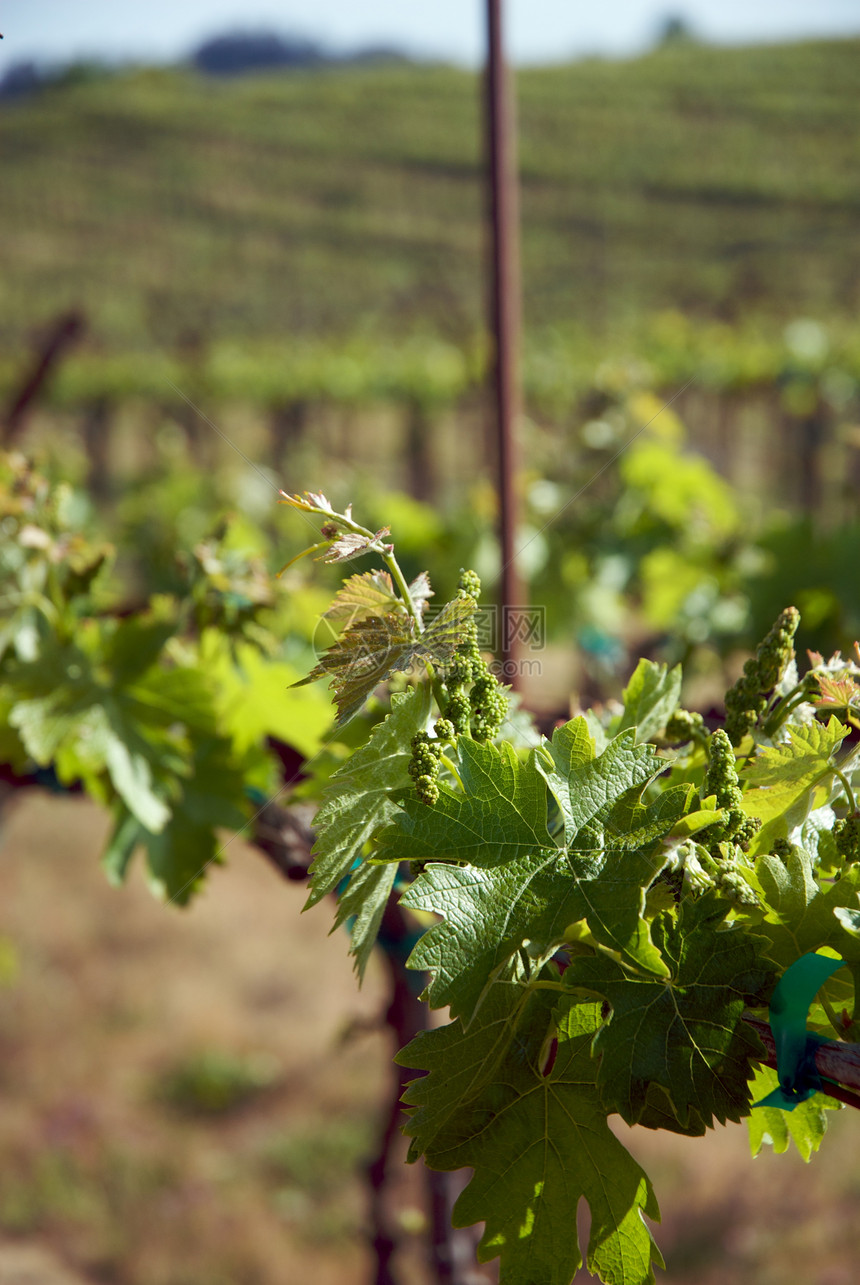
(747, 700)
(694, 868)
(475, 702)
(728, 875)
(846, 832)
(721, 781)
(685, 725)
(424, 767)
(483, 707)
(726, 841)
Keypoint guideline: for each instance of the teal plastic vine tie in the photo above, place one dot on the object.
(796, 1047)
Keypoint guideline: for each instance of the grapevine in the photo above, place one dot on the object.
(604, 913)
(639, 865)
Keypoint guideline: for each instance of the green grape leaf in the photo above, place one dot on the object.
(650, 699)
(596, 730)
(518, 727)
(51, 694)
(361, 906)
(367, 652)
(12, 751)
(131, 774)
(631, 824)
(134, 645)
(499, 816)
(515, 889)
(89, 725)
(125, 837)
(815, 834)
(801, 915)
(178, 858)
(658, 1113)
(489, 916)
(71, 708)
(583, 783)
(421, 591)
(179, 855)
(693, 822)
(686, 1032)
(806, 1125)
(165, 698)
(780, 781)
(372, 648)
(254, 697)
(465, 1063)
(349, 544)
(369, 594)
(358, 802)
(45, 723)
(538, 1140)
(311, 502)
(214, 793)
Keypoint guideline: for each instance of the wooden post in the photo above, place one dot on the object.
(505, 316)
(65, 331)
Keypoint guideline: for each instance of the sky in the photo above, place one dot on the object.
(536, 30)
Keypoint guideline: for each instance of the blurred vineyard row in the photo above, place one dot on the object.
(673, 500)
(802, 358)
(757, 405)
(164, 204)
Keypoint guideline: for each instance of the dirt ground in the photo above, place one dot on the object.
(186, 1097)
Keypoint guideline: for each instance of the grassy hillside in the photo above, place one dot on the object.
(164, 204)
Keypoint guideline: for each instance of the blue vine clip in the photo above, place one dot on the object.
(796, 1046)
